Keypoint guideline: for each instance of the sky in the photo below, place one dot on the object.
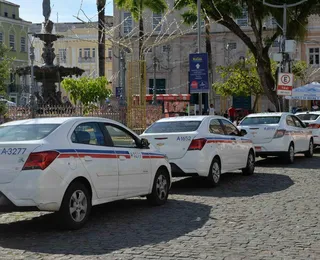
(64, 10)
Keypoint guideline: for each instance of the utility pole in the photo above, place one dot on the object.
(199, 46)
(154, 96)
(284, 31)
(32, 98)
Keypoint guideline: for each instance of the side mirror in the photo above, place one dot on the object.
(305, 125)
(144, 143)
(243, 132)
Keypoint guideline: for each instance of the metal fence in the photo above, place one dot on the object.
(138, 118)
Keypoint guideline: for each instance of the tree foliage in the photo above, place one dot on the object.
(225, 12)
(5, 67)
(87, 90)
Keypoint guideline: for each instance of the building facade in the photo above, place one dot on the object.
(170, 42)
(14, 34)
(77, 48)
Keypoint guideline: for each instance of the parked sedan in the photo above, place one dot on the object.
(68, 165)
(278, 134)
(312, 121)
(202, 146)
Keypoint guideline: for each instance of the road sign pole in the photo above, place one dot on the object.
(199, 47)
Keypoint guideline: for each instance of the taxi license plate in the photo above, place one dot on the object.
(258, 148)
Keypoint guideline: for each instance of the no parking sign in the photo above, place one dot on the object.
(285, 83)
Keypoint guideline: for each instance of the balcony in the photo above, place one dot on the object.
(87, 59)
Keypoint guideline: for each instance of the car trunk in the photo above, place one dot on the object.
(12, 158)
(260, 134)
(174, 145)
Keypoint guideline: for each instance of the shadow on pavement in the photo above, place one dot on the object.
(301, 162)
(114, 226)
(234, 185)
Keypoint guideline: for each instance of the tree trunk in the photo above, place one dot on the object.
(266, 78)
(141, 37)
(255, 103)
(101, 36)
(209, 51)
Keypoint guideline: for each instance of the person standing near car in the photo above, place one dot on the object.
(231, 113)
(211, 110)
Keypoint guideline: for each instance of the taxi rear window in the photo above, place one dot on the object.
(308, 116)
(173, 127)
(261, 120)
(25, 132)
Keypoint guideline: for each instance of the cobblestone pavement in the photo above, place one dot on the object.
(273, 214)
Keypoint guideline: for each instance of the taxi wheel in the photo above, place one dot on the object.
(309, 153)
(76, 207)
(214, 173)
(290, 154)
(160, 188)
(249, 170)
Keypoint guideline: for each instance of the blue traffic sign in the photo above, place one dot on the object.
(198, 75)
(118, 92)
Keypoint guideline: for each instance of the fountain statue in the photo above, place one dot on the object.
(49, 74)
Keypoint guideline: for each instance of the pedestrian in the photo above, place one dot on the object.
(231, 113)
(211, 110)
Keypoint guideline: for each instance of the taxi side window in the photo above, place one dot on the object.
(229, 128)
(215, 127)
(297, 122)
(290, 121)
(120, 138)
(88, 133)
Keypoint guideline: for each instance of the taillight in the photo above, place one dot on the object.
(279, 133)
(40, 161)
(197, 144)
(314, 126)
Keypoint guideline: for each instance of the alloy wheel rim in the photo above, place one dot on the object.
(251, 161)
(162, 187)
(78, 206)
(215, 172)
(291, 153)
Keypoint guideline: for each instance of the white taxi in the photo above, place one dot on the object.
(312, 121)
(278, 134)
(68, 165)
(202, 146)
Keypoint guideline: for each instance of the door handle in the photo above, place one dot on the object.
(122, 158)
(87, 158)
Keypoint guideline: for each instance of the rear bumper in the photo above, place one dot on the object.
(32, 189)
(276, 146)
(194, 163)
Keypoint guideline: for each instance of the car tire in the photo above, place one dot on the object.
(214, 173)
(75, 207)
(160, 188)
(290, 154)
(249, 170)
(309, 153)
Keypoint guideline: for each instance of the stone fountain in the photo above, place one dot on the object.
(49, 74)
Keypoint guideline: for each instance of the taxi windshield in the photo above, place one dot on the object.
(173, 127)
(308, 116)
(25, 132)
(261, 120)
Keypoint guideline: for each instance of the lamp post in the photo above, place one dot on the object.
(154, 96)
(32, 97)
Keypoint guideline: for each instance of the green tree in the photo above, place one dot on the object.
(137, 7)
(87, 90)
(242, 78)
(224, 12)
(5, 67)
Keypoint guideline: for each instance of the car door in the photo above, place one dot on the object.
(134, 168)
(98, 157)
(302, 134)
(219, 141)
(292, 129)
(238, 152)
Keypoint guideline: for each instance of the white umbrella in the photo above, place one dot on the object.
(307, 92)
